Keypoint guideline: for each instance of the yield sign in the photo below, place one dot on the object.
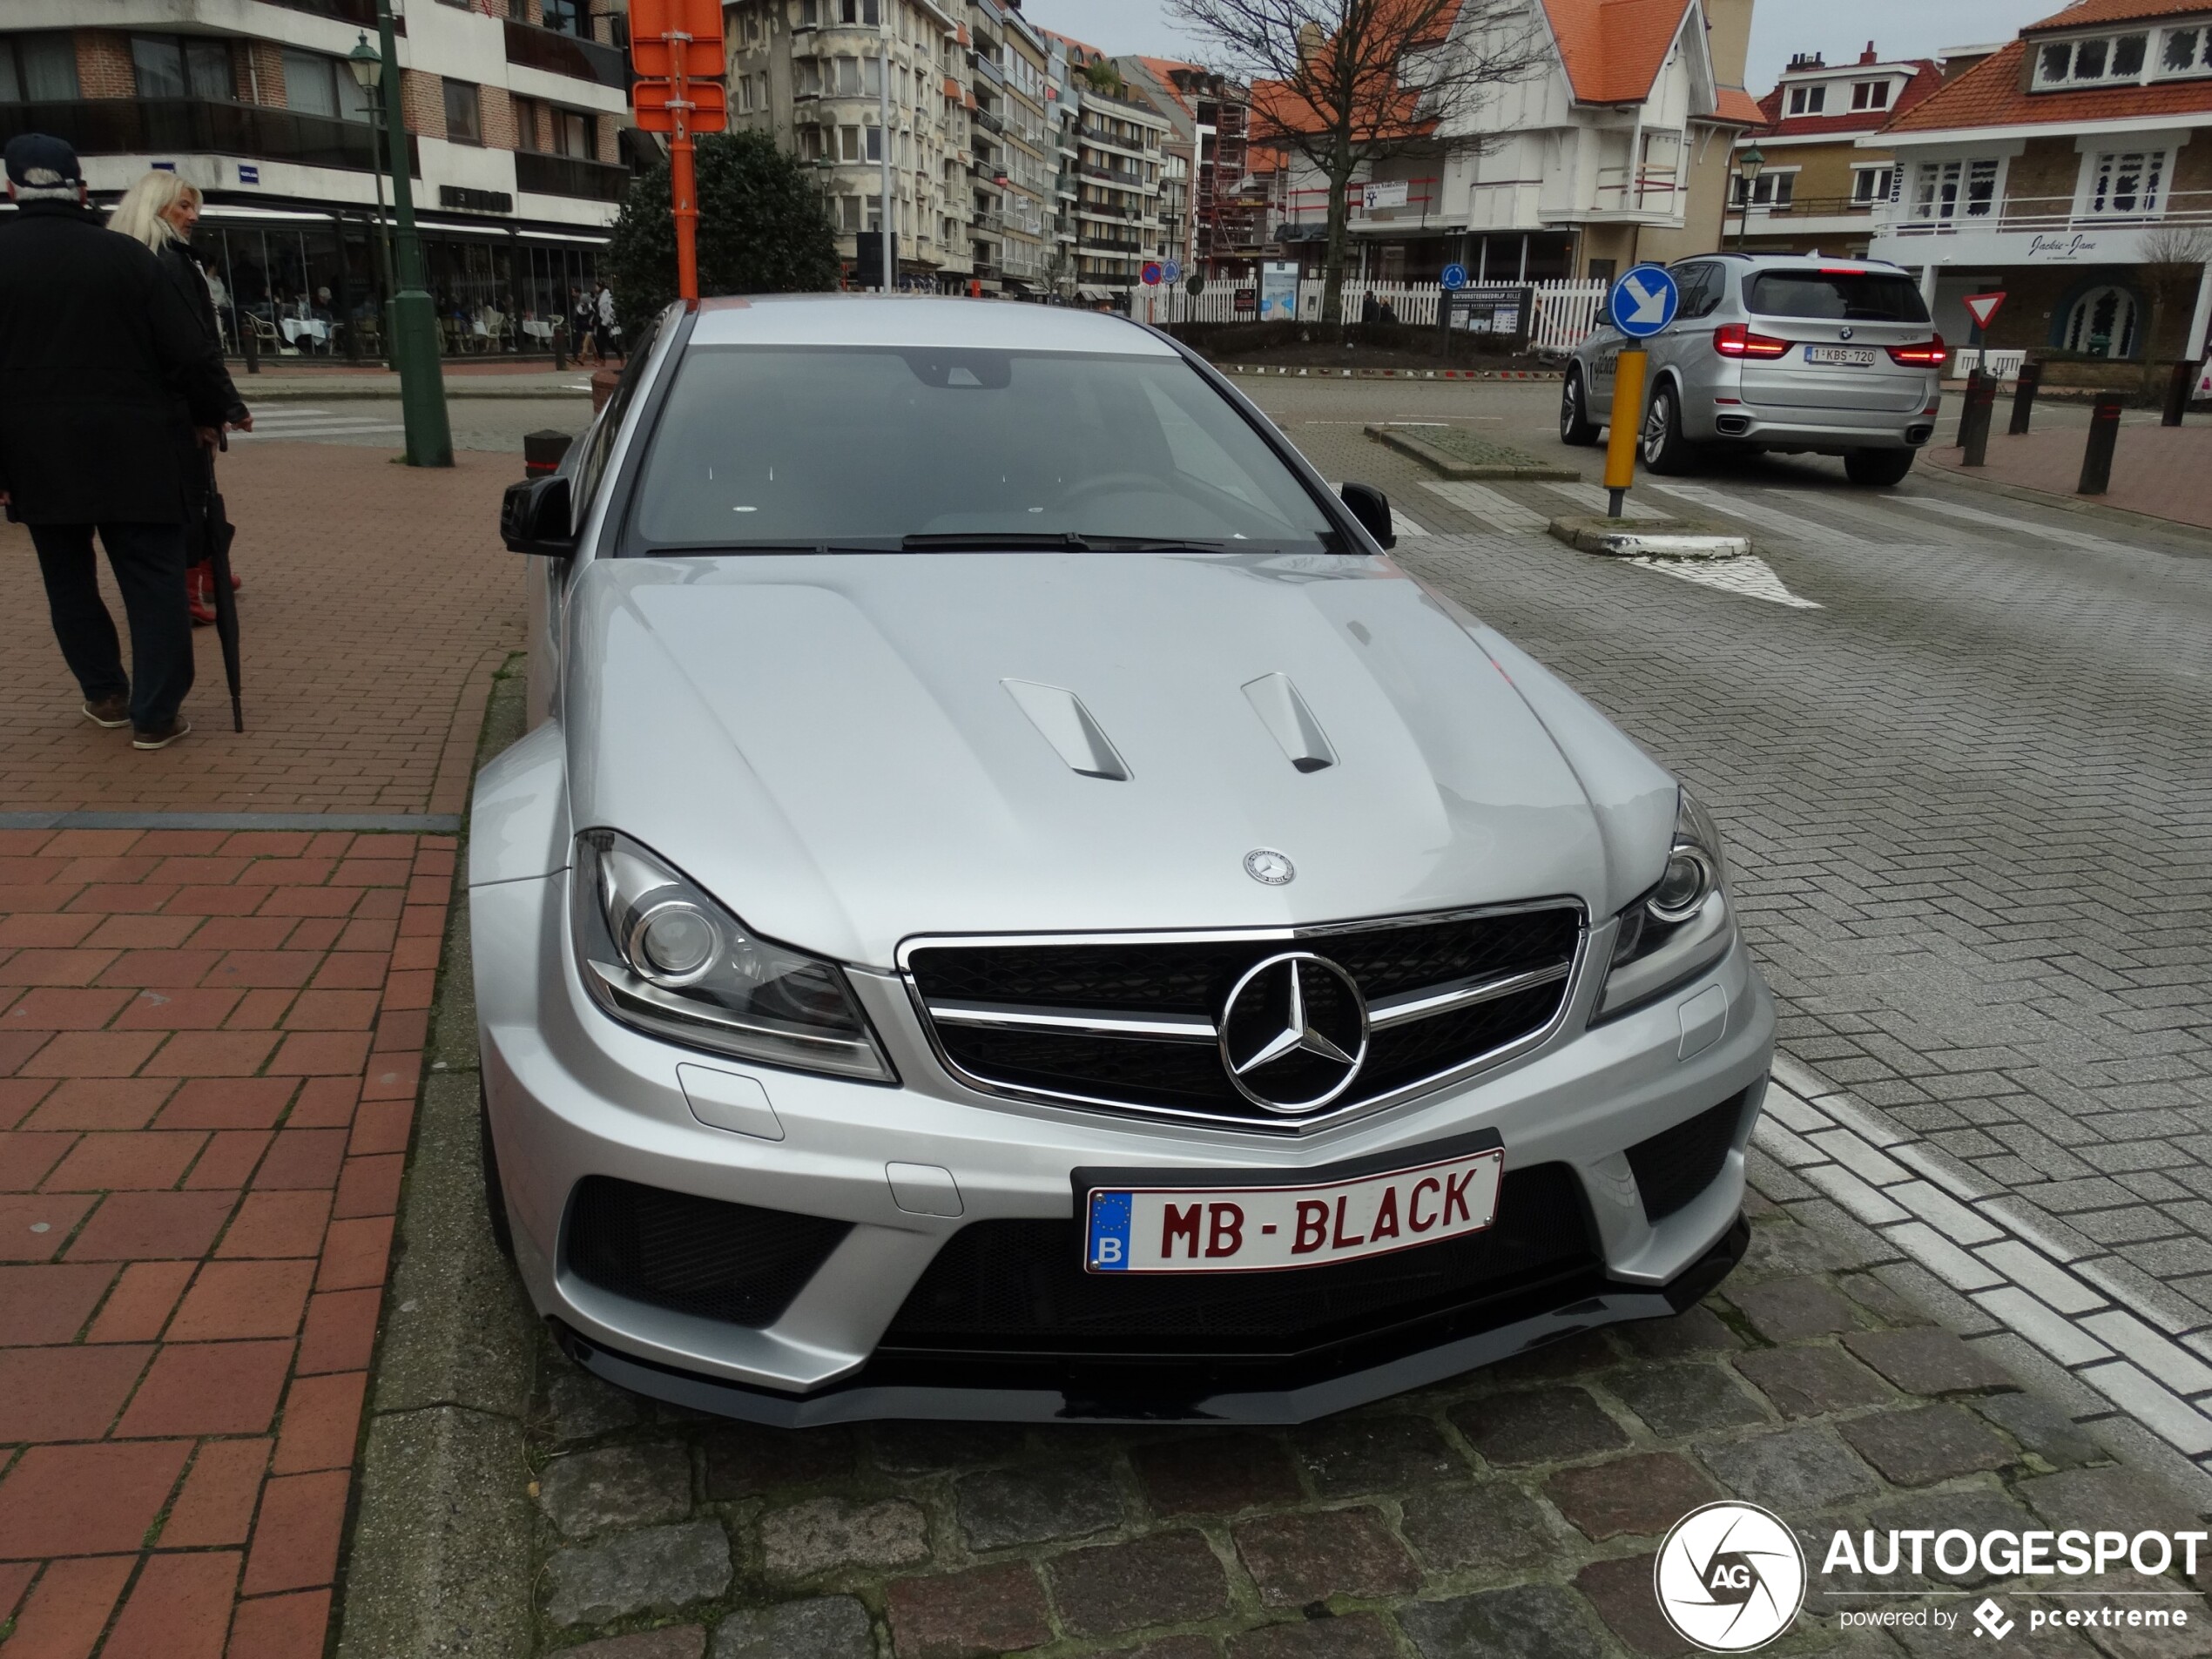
(1982, 306)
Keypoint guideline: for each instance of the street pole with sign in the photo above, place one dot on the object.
(1642, 302)
(414, 320)
(676, 49)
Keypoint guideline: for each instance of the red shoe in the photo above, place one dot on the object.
(198, 595)
(235, 582)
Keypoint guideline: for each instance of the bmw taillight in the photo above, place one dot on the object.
(1926, 353)
(1736, 340)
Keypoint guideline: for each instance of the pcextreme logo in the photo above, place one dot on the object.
(1729, 1577)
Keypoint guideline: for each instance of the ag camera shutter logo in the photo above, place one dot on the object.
(1729, 1577)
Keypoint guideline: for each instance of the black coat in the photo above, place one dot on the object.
(184, 270)
(103, 372)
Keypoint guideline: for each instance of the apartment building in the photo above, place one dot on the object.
(1613, 148)
(1227, 220)
(1818, 186)
(2065, 169)
(1017, 150)
(1118, 136)
(812, 72)
(516, 112)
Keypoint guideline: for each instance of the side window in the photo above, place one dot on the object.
(599, 438)
(1702, 287)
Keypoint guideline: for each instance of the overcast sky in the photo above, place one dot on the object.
(1898, 28)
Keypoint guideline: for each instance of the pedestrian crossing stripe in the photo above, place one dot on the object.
(1767, 518)
(1501, 512)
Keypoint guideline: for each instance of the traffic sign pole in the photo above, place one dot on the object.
(683, 183)
(1621, 442)
(668, 41)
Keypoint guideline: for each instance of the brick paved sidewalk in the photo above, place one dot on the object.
(210, 1046)
(378, 602)
(2158, 470)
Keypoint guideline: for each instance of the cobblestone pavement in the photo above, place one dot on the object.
(377, 603)
(210, 1045)
(1512, 1512)
(1968, 789)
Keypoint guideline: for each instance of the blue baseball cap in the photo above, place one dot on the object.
(39, 161)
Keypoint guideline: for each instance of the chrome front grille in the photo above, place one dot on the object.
(1134, 1022)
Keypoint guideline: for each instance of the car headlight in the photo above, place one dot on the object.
(659, 955)
(1678, 929)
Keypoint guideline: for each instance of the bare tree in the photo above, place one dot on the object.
(2173, 257)
(1344, 83)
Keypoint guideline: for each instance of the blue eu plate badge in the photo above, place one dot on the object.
(1107, 1248)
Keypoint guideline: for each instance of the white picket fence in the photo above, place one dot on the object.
(1565, 312)
(2000, 365)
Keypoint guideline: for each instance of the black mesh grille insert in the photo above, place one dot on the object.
(1020, 1287)
(1676, 1164)
(719, 1261)
(1194, 978)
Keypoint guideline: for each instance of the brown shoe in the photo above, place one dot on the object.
(110, 711)
(162, 738)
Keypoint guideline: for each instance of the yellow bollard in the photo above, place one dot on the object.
(1627, 419)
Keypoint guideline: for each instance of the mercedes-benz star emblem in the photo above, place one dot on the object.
(1293, 1032)
(1265, 864)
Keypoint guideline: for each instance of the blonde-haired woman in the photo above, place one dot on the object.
(160, 211)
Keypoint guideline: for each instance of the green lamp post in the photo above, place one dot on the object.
(414, 322)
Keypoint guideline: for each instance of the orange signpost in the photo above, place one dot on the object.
(676, 49)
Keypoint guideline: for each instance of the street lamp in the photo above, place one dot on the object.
(1748, 167)
(413, 323)
(367, 69)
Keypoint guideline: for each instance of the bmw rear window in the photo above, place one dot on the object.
(1840, 296)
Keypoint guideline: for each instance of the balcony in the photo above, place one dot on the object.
(561, 54)
(598, 181)
(987, 121)
(355, 11)
(178, 126)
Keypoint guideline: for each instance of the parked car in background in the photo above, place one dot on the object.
(1015, 906)
(1792, 354)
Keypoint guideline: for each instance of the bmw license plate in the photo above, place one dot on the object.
(1849, 356)
(1254, 1229)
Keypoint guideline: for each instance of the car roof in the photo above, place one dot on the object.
(1768, 261)
(924, 319)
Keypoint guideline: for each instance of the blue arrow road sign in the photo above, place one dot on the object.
(1455, 276)
(1173, 271)
(1644, 301)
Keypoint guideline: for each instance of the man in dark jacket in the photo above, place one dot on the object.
(104, 374)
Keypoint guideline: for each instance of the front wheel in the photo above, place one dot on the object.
(1575, 426)
(1878, 468)
(1665, 449)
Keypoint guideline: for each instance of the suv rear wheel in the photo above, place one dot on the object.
(1876, 466)
(1665, 449)
(1575, 426)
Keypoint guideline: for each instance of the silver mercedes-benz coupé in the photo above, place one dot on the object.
(1012, 906)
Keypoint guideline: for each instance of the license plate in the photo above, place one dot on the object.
(1254, 1229)
(1854, 357)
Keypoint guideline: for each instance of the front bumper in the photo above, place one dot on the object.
(573, 1096)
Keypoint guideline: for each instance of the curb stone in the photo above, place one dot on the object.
(1616, 538)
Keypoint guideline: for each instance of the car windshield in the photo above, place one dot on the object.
(1841, 296)
(788, 447)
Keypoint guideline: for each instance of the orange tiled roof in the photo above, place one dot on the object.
(1989, 95)
(1614, 49)
(1163, 70)
(1736, 104)
(2093, 11)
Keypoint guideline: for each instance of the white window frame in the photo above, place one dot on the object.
(1870, 95)
(2107, 75)
(1883, 188)
(1925, 203)
(2199, 52)
(2103, 170)
(1772, 182)
(1810, 98)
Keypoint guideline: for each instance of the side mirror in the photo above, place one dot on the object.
(534, 517)
(1372, 508)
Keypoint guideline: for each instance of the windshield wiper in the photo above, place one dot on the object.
(1053, 541)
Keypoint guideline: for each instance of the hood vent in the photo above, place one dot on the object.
(1067, 725)
(1283, 711)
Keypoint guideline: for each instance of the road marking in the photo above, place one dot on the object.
(1500, 512)
(2081, 539)
(1751, 576)
(1935, 1213)
(1767, 518)
(1880, 515)
(331, 429)
(1595, 498)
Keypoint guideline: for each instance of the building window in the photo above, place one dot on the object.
(567, 15)
(314, 84)
(1945, 190)
(37, 69)
(1774, 188)
(810, 14)
(464, 114)
(2186, 52)
(1870, 95)
(848, 143)
(2100, 57)
(167, 66)
(1871, 185)
(848, 78)
(1808, 100)
(2102, 324)
(810, 143)
(2130, 183)
(848, 213)
(572, 135)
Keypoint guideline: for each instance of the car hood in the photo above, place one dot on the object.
(850, 750)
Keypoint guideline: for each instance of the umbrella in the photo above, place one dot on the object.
(218, 531)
